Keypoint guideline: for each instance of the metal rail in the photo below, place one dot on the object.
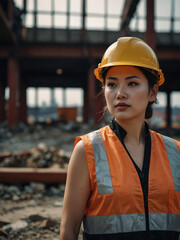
(24, 175)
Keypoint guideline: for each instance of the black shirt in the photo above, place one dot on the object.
(143, 175)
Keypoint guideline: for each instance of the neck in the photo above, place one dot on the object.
(135, 130)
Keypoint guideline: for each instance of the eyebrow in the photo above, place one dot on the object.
(112, 78)
(133, 76)
(127, 78)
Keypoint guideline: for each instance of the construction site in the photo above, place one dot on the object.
(49, 94)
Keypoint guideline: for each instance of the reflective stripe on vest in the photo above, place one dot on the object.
(114, 223)
(173, 220)
(103, 175)
(164, 222)
(136, 221)
(173, 156)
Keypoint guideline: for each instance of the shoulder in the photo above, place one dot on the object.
(78, 162)
(165, 139)
(87, 138)
(79, 149)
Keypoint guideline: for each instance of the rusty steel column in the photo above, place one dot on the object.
(150, 35)
(23, 102)
(168, 110)
(13, 82)
(10, 10)
(96, 101)
(83, 30)
(99, 104)
(2, 101)
(91, 94)
(86, 106)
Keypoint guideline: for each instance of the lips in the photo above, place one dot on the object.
(122, 105)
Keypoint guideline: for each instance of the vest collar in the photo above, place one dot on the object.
(121, 132)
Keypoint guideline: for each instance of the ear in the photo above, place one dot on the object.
(153, 93)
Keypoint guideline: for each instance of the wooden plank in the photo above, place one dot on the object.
(24, 175)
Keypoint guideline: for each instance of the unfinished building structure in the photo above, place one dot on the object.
(65, 53)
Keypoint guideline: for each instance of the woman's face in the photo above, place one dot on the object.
(127, 92)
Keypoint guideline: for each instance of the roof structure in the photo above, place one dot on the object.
(39, 37)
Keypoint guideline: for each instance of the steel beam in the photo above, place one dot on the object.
(13, 83)
(61, 51)
(2, 101)
(86, 106)
(168, 109)
(45, 51)
(128, 12)
(91, 94)
(25, 175)
(99, 104)
(76, 51)
(95, 100)
(6, 31)
(150, 35)
(23, 101)
(168, 53)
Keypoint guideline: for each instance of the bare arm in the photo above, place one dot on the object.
(76, 194)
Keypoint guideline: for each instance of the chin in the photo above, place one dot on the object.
(122, 116)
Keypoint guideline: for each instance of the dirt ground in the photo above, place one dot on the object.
(33, 219)
(28, 215)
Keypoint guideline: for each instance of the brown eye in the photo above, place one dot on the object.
(112, 85)
(132, 84)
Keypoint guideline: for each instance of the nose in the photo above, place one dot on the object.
(121, 94)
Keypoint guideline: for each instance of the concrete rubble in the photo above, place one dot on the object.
(39, 146)
(32, 211)
(38, 157)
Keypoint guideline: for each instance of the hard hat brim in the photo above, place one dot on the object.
(98, 70)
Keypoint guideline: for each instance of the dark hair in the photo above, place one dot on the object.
(104, 72)
(152, 80)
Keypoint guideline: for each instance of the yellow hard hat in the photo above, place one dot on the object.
(130, 51)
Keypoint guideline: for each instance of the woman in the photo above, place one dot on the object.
(124, 180)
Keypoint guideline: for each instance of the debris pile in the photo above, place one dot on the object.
(28, 229)
(30, 211)
(39, 145)
(38, 157)
(29, 191)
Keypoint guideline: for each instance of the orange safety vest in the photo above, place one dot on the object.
(116, 203)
